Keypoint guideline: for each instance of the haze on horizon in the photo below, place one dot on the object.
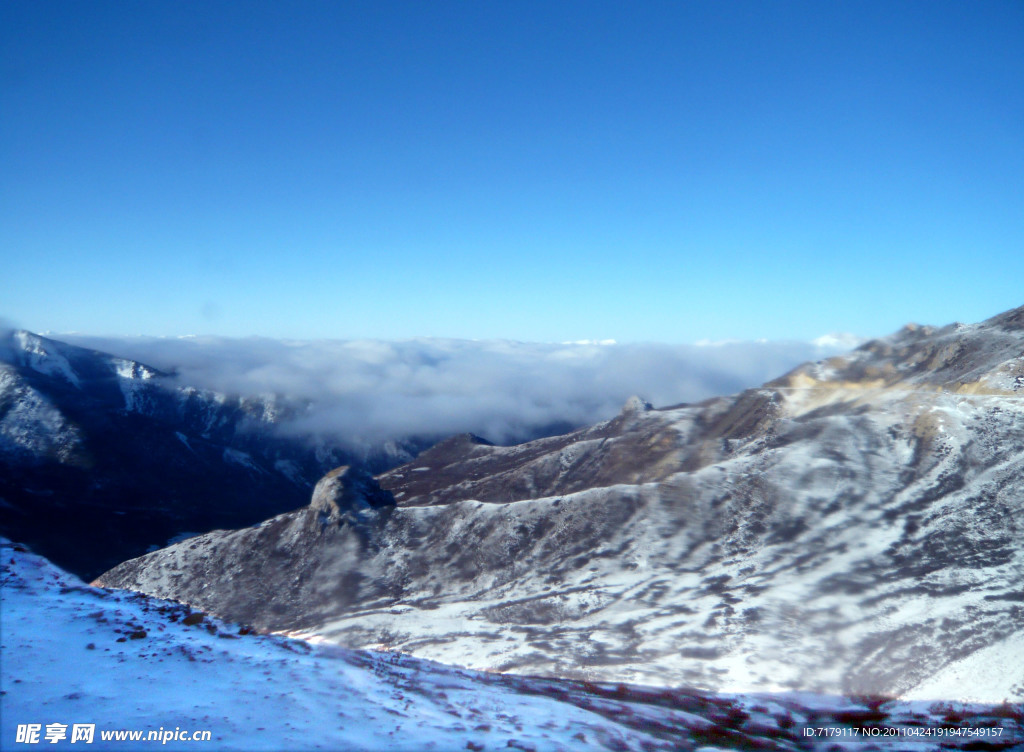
(655, 172)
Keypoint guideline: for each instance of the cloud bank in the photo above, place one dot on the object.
(368, 391)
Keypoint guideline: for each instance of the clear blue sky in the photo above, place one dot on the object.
(644, 171)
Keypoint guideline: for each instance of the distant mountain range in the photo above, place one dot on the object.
(103, 458)
(854, 526)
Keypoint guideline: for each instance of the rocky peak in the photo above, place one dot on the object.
(345, 489)
(636, 404)
(975, 358)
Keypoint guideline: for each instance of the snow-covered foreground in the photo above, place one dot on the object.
(74, 654)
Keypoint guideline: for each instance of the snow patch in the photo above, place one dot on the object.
(45, 357)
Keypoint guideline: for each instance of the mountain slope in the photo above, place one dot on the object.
(129, 663)
(102, 458)
(854, 526)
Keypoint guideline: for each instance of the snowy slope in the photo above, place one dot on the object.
(79, 655)
(854, 527)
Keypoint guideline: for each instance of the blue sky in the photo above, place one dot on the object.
(536, 171)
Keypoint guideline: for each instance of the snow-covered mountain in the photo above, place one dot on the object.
(854, 526)
(122, 666)
(102, 458)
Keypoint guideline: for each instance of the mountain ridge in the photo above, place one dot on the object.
(853, 526)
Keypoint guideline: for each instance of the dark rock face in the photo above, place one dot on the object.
(345, 489)
(855, 526)
(103, 458)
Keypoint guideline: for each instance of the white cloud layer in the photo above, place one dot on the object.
(372, 390)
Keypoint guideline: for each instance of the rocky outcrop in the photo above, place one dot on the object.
(346, 489)
(307, 561)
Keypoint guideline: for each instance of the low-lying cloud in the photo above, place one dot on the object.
(368, 391)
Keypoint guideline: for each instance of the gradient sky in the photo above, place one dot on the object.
(548, 171)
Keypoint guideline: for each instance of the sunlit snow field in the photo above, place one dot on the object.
(122, 661)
